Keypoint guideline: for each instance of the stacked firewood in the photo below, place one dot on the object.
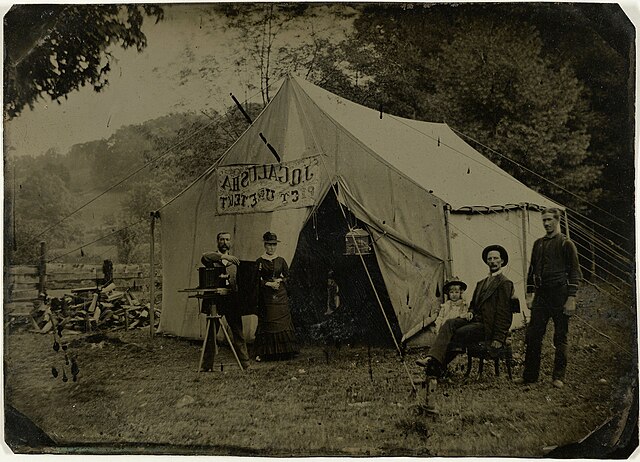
(87, 309)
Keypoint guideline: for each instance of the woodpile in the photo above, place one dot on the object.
(88, 309)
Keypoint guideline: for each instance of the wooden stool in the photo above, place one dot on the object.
(481, 351)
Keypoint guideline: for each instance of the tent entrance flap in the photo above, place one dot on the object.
(321, 249)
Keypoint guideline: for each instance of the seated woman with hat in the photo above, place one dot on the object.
(275, 335)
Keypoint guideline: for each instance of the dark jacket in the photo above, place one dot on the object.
(491, 305)
(554, 265)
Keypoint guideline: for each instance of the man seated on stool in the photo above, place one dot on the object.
(491, 308)
(228, 305)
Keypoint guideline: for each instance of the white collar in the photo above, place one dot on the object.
(269, 257)
(496, 273)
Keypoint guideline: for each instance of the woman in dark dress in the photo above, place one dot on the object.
(275, 336)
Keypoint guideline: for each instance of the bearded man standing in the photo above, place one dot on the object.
(228, 305)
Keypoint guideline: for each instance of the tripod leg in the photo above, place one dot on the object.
(226, 335)
(204, 345)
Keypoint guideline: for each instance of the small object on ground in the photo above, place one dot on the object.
(56, 346)
(558, 383)
(185, 401)
(74, 367)
(258, 359)
(54, 372)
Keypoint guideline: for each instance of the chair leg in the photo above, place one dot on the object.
(469, 364)
(508, 361)
(496, 366)
(481, 366)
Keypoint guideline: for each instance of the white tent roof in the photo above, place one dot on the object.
(430, 154)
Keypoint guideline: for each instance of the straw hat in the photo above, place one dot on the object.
(454, 281)
(270, 238)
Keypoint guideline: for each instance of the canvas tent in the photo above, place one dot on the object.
(429, 200)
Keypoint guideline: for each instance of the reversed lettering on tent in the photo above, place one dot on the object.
(265, 188)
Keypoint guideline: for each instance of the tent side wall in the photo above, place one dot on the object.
(514, 229)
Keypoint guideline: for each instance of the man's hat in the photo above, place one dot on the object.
(270, 238)
(454, 281)
(503, 253)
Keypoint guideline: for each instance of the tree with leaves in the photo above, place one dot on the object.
(198, 144)
(492, 81)
(41, 201)
(53, 50)
(488, 73)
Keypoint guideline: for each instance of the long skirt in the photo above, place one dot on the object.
(275, 335)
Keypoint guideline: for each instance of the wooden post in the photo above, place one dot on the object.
(566, 224)
(152, 277)
(525, 267)
(449, 270)
(42, 269)
(107, 271)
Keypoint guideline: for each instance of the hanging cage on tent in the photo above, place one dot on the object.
(357, 242)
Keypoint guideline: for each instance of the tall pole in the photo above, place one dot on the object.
(13, 212)
(152, 277)
(447, 228)
(525, 267)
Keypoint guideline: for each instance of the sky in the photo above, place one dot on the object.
(146, 85)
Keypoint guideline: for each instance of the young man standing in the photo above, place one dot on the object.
(553, 276)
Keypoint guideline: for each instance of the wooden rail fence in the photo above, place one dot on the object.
(24, 282)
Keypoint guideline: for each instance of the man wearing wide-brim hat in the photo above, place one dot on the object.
(492, 316)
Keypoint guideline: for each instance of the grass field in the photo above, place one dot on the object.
(142, 395)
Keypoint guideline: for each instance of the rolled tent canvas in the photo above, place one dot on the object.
(395, 175)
